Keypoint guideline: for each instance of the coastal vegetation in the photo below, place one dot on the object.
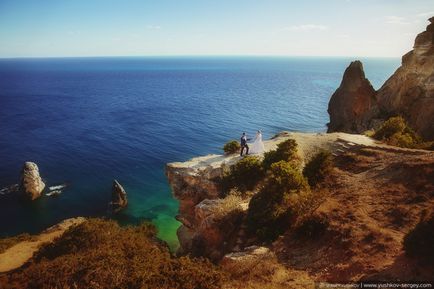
(281, 192)
(395, 131)
(284, 197)
(318, 167)
(244, 175)
(231, 147)
(285, 151)
(101, 254)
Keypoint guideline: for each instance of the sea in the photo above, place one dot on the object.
(88, 121)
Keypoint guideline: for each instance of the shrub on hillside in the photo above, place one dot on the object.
(228, 205)
(244, 175)
(286, 151)
(232, 147)
(100, 254)
(418, 243)
(312, 227)
(284, 196)
(395, 131)
(318, 167)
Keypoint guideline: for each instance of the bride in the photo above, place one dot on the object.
(257, 146)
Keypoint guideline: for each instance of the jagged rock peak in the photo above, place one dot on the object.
(354, 75)
(424, 41)
(410, 90)
(351, 102)
(119, 197)
(31, 183)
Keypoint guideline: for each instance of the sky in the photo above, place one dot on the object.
(64, 28)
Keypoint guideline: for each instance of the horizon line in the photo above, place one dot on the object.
(197, 55)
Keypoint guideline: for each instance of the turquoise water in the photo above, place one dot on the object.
(86, 121)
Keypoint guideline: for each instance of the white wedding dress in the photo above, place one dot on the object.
(257, 147)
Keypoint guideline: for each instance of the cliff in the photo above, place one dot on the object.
(409, 92)
(375, 196)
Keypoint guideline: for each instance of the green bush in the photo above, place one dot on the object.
(318, 167)
(244, 175)
(283, 198)
(419, 242)
(232, 147)
(395, 131)
(286, 151)
(100, 254)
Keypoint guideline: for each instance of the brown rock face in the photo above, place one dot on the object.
(31, 183)
(350, 105)
(193, 184)
(409, 92)
(119, 197)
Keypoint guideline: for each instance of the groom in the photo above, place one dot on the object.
(243, 141)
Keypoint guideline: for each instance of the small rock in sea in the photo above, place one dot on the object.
(10, 189)
(31, 183)
(58, 187)
(53, 193)
(119, 197)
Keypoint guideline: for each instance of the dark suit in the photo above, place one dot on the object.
(243, 142)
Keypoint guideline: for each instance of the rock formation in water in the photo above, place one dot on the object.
(409, 92)
(352, 102)
(119, 197)
(31, 183)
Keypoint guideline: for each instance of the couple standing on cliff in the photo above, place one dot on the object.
(257, 145)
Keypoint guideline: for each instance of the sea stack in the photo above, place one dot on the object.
(350, 105)
(119, 197)
(31, 183)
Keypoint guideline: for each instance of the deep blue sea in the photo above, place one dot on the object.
(86, 121)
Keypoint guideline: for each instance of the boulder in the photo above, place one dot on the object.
(119, 197)
(248, 258)
(352, 102)
(31, 183)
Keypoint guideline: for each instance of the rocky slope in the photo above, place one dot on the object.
(376, 195)
(409, 92)
(194, 184)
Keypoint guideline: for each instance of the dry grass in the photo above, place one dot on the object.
(100, 254)
(265, 273)
(8, 242)
(230, 204)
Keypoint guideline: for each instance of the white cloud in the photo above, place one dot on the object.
(396, 20)
(153, 27)
(426, 14)
(343, 36)
(306, 27)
